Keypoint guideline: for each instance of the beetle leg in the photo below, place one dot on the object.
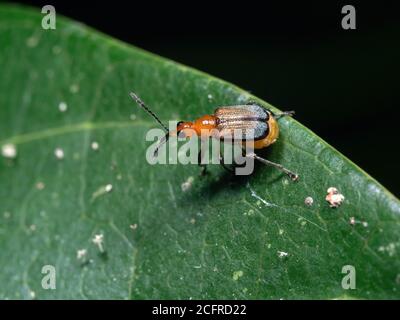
(283, 114)
(291, 175)
(203, 167)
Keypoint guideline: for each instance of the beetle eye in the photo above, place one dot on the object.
(179, 132)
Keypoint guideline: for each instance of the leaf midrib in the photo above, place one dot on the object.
(79, 127)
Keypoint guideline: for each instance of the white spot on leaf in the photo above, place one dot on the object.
(9, 151)
(185, 186)
(308, 201)
(98, 241)
(237, 274)
(334, 198)
(95, 145)
(62, 106)
(81, 254)
(59, 153)
(282, 254)
(133, 226)
(40, 185)
(101, 191)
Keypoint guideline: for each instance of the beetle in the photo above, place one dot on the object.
(255, 123)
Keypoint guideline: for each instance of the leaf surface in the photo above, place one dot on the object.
(223, 237)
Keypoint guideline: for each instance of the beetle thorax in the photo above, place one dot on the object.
(205, 125)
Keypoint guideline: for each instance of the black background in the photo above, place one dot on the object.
(343, 84)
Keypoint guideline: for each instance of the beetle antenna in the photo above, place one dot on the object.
(162, 141)
(141, 104)
(165, 138)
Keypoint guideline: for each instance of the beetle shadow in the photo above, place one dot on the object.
(212, 186)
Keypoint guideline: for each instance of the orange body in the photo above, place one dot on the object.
(209, 126)
(205, 127)
(271, 137)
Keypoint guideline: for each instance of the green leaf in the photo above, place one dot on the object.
(221, 238)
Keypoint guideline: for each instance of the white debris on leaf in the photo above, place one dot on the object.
(390, 249)
(62, 106)
(95, 145)
(133, 226)
(9, 151)
(40, 185)
(282, 254)
(353, 222)
(102, 191)
(308, 201)
(98, 241)
(81, 254)
(59, 153)
(237, 275)
(185, 186)
(334, 197)
(255, 195)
